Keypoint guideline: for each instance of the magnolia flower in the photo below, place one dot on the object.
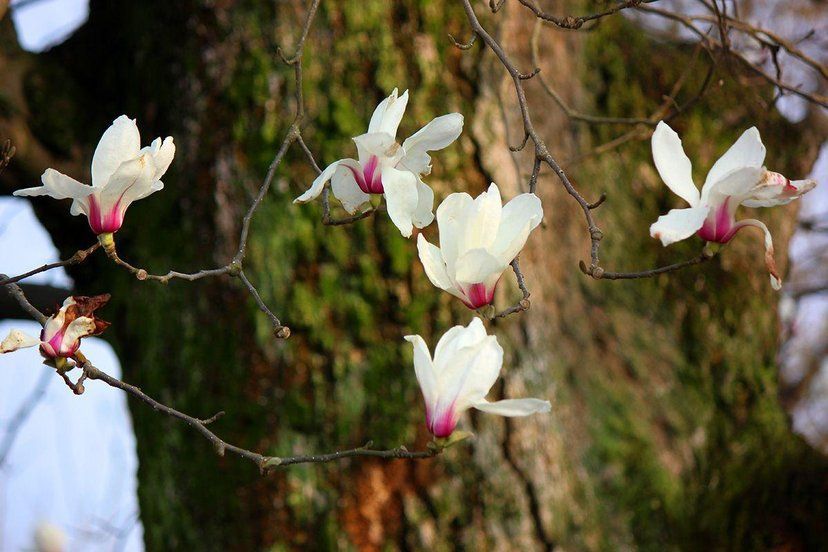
(466, 364)
(384, 167)
(122, 172)
(478, 239)
(737, 178)
(62, 332)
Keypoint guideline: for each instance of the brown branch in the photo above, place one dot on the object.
(263, 462)
(713, 44)
(79, 257)
(576, 22)
(542, 155)
(523, 304)
(600, 274)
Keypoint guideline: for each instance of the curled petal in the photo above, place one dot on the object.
(678, 224)
(514, 407)
(770, 262)
(673, 164)
(17, 340)
(319, 182)
(774, 189)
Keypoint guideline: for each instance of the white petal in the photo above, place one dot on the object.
(455, 339)
(401, 198)
(471, 375)
(17, 340)
(436, 135)
(433, 263)
(481, 222)
(478, 266)
(133, 180)
(519, 217)
(344, 186)
(738, 184)
(163, 155)
(319, 182)
(678, 224)
(424, 214)
(424, 369)
(514, 407)
(58, 186)
(388, 114)
(120, 142)
(78, 328)
(747, 151)
(672, 163)
(380, 144)
(450, 219)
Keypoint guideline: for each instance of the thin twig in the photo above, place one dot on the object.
(79, 257)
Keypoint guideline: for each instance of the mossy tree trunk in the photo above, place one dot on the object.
(666, 428)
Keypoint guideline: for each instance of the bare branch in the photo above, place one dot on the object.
(79, 257)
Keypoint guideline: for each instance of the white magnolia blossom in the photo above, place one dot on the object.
(737, 178)
(465, 366)
(478, 239)
(385, 167)
(62, 332)
(122, 172)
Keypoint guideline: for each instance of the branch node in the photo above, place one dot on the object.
(524, 304)
(527, 76)
(597, 203)
(463, 45)
(597, 272)
(596, 234)
(142, 275)
(281, 332)
(522, 144)
(234, 268)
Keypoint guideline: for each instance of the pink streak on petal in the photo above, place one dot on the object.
(478, 296)
(102, 223)
(372, 177)
(444, 423)
(719, 225)
(54, 347)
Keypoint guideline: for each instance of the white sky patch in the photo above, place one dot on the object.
(72, 463)
(25, 244)
(46, 23)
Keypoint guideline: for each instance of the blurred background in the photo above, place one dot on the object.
(690, 411)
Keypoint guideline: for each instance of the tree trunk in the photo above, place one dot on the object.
(665, 429)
